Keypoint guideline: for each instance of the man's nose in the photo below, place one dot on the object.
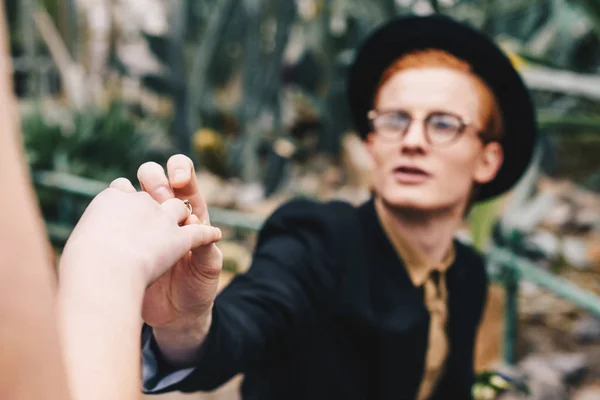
(415, 136)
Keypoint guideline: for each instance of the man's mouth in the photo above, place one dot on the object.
(410, 170)
(410, 175)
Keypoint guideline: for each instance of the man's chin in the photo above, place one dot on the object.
(406, 201)
(413, 200)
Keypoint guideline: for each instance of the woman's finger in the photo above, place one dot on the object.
(153, 180)
(123, 184)
(176, 209)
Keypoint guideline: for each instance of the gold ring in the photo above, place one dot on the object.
(188, 205)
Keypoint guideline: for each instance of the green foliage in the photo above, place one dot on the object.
(489, 385)
(11, 10)
(42, 141)
(99, 144)
(159, 45)
(592, 9)
(164, 85)
(482, 218)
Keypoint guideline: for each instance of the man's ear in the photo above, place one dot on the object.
(489, 163)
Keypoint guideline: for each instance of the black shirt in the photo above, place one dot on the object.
(327, 311)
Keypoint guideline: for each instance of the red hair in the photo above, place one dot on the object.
(493, 126)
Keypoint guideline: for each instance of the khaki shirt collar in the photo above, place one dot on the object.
(417, 264)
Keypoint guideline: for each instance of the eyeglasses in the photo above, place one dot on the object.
(440, 128)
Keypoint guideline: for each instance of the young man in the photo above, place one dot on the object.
(373, 302)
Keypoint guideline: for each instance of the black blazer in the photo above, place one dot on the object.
(327, 311)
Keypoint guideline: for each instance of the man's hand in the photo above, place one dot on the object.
(178, 305)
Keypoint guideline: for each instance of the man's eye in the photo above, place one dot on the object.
(398, 120)
(444, 123)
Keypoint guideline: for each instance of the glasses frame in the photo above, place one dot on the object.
(464, 124)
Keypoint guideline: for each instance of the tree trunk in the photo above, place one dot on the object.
(251, 92)
(206, 49)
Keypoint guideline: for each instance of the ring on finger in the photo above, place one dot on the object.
(188, 205)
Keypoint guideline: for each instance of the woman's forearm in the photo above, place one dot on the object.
(30, 364)
(123, 242)
(100, 321)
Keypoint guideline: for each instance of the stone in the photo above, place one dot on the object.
(545, 383)
(571, 366)
(591, 392)
(529, 288)
(558, 216)
(575, 252)
(546, 242)
(587, 330)
(587, 218)
(530, 215)
(249, 195)
(216, 192)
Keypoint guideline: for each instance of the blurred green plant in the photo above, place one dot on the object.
(481, 219)
(489, 385)
(100, 144)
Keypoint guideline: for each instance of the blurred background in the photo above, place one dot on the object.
(254, 92)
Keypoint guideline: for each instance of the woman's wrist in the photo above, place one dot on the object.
(100, 286)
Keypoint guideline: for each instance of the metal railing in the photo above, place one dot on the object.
(70, 186)
(512, 270)
(504, 266)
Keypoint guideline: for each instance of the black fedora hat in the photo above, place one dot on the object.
(407, 34)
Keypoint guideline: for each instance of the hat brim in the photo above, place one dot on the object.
(407, 34)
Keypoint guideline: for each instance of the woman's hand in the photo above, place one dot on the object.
(124, 241)
(128, 234)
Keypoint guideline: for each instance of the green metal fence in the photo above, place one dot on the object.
(504, 265)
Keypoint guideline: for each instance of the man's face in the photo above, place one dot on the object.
(409, 172)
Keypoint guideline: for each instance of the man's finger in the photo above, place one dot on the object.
(182, 177)
(153, 180)
(177, 209)
(202, 235)
(124, 185)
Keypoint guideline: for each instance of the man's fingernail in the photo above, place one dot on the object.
(181, 174)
